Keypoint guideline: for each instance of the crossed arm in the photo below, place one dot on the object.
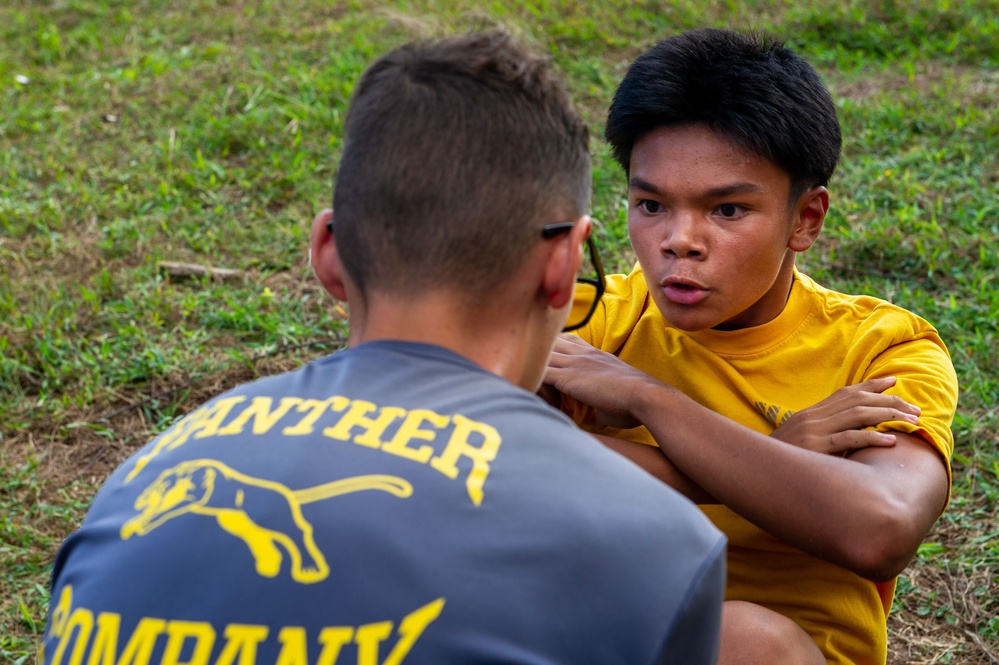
(867, 511)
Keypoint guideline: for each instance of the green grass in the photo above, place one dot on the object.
(207, 132)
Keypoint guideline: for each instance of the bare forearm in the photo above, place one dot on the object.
(655, 462)
(861, 513)
(867, 513)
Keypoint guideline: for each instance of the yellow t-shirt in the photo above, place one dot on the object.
(822, 341)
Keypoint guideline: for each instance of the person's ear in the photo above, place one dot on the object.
(809, 216)
(564, 259)
(325, 258)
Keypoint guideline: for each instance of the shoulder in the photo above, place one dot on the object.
(877, 339)
(868, 318)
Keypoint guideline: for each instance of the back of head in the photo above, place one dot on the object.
(748, 88)
(456, 153)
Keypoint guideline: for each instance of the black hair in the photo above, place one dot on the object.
(749, 88)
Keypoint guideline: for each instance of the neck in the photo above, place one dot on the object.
(502, 343)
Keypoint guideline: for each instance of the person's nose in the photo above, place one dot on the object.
(684, 236)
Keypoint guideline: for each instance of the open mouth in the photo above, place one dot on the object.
(683, 293)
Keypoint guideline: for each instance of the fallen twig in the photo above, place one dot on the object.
(194, 270)
(977, 639)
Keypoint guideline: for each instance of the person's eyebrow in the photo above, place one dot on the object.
(636, 182)
(734, 188)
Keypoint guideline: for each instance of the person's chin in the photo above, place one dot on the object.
(689, 318)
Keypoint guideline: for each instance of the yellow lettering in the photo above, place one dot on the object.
(410, 629)
(357, 416)
(333, 638)
(205, 421)
(263, 418)
(141, 644)
(241, 647)
(81, 622)
(316, 408)
(210, 424)
(458, 446)
(191, 642)
(61, 612)
(293, 647)
(410, 429)
(178, 633)
(368, 637)
(104, 650)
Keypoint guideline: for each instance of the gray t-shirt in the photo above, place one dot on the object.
(389, 503)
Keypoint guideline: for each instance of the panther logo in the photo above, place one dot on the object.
(245, 507)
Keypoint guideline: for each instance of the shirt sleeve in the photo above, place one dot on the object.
(925, 375)
(694, 636)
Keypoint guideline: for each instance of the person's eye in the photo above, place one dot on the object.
(730, 210)
(649, 206)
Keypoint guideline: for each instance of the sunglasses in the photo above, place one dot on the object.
(590, 282)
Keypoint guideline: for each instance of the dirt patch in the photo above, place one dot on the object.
(77, 452)
(943, 630)
(974, 86)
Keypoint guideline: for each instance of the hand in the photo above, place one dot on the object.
(837, 423)
(598, 379)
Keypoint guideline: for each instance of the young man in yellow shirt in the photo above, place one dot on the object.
(811, 426)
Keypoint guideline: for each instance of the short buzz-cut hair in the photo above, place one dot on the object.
(457, 152)
(749, 88)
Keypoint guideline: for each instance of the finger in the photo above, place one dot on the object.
(566, 355)
(861, 399)
(873, 415)
(560, 344)
(858, 439)
(557, 379)
(566, 343)
(557, 361)
(574, 338)
(564, 348)
(900, 404)
(860, 417)
(878, 385)
(569, 343)
(866, 392)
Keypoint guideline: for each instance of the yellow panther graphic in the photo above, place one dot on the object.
(244, 506)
